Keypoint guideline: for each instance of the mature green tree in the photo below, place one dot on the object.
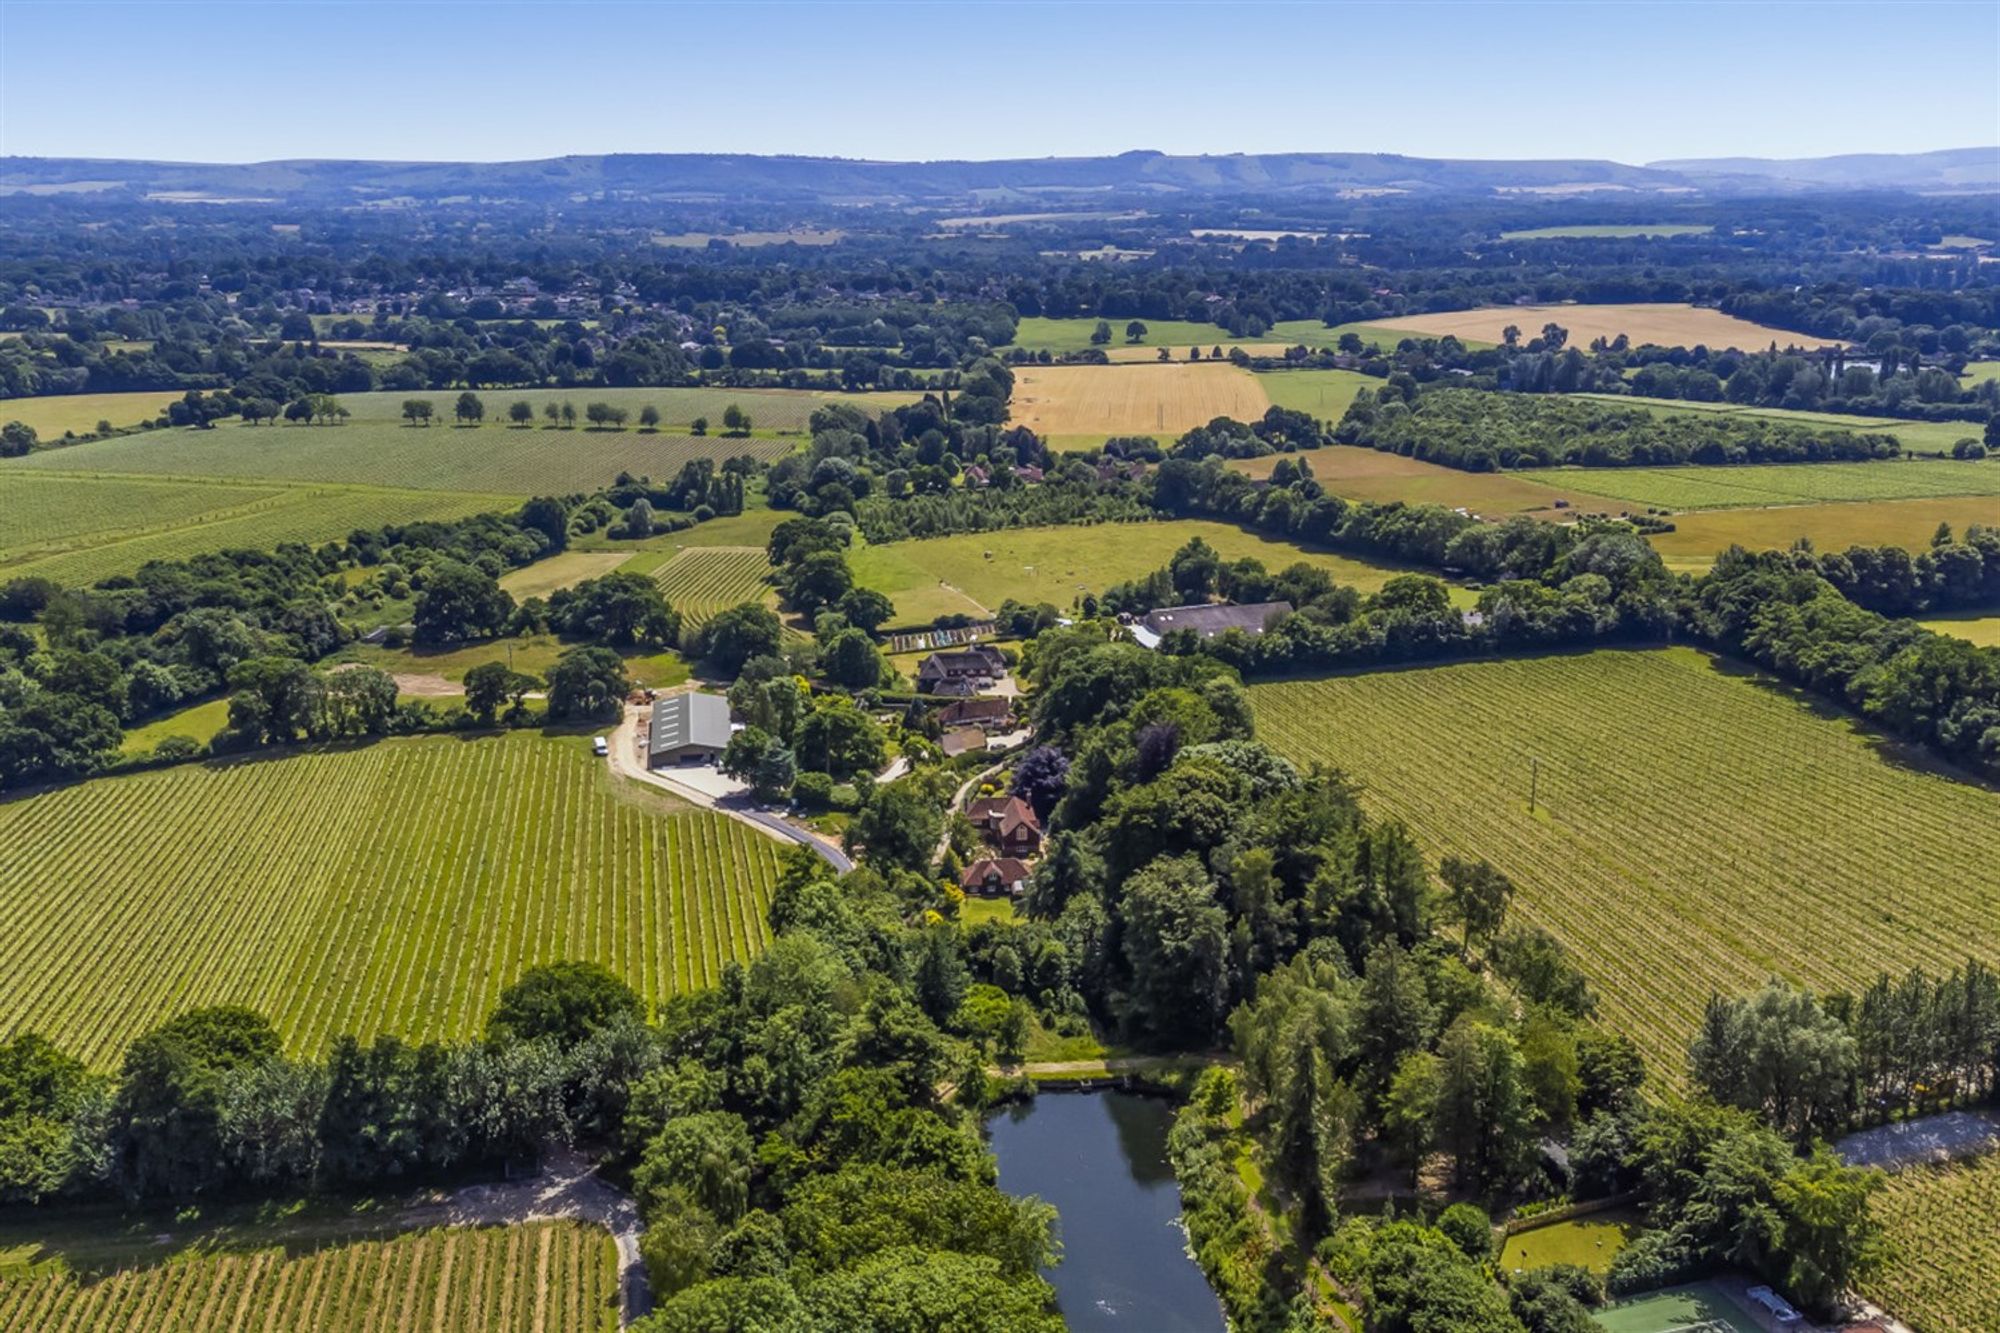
(820, 579)
(459, 602)
(418, 410)
(708, 1156)
(1101, 333)
(626, 609)
(565, 1001)
(1409, 1110)
(738, 634)
(550, 518)
(469, 409)
(1830, 1241)
(850, 658)
(1176, 946)
(840, 738)
(165, 1130)
(735, 421)
(587, 683)
(649, 418)
(1484, 1118)
(897, 829)
(762, 760)
(865, 608)
(1135, 331)
(271, 700)
(760, 1304)
(1779, 1054)
(492, 684)
(1477, 895)
(521, 412)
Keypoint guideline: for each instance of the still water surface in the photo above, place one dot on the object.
(1101, 1159)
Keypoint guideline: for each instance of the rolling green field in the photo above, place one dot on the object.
(396, 887)
(530, 1278)
(700, 581)
(560, 571)
(972, 573)
(1038, 333)
(375, 447)
(1978, 372)
(1943, 1223)
(1697, 829)
(79, 529)
(1701, 534)
(1923, 436)
(1324, 394)
(1609, 232)
(1725, 487)
(489, 459)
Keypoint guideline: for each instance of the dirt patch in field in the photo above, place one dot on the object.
(1668, 324)
(422, 685)
(1162, 399)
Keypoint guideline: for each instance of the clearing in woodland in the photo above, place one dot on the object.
(340, 1279)
(1698, 537)
(1355, 473)
(1754, 484)
(1696, 828)
(396, 887)
(1081, 405)
(1669, 324)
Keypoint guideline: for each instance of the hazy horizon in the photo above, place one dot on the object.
(353, 79)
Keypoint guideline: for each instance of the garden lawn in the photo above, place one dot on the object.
(1591, 1241)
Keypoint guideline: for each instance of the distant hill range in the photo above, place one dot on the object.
(1056, 180)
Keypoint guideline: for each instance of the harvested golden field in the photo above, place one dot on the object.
(1668, 324)
(1082, 404)
(53, 414)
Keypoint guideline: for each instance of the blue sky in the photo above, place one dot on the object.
(479, 80)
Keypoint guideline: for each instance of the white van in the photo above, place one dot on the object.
(601, 746)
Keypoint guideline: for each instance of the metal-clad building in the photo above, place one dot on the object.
(687, 728)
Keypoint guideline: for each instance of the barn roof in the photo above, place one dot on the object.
(681, 720)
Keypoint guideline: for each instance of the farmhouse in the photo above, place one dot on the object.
(990, 877)
(963, 671)
(1008, 822)
(687, 728)
(991, 714)
(1208, 620)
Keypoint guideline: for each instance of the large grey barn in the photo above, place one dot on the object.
(687, 728)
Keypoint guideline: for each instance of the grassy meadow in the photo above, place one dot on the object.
(440, 672)
(1321, 394)
(1356, 473)
(560, 571)
(1697, 487)
(972, 573)
(1696, 829)
(395, 887)
(342, 1276)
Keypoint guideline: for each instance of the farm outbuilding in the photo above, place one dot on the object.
(688, 728)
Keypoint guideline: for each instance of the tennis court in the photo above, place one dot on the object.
(1700, 1307)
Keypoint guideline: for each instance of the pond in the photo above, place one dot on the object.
(1101, 1159)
